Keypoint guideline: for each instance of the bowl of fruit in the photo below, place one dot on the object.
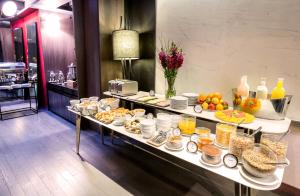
(212, 102)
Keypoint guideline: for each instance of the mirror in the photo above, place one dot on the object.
(19, 46)
(32, 51)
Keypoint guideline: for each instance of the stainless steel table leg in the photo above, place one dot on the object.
(112, 137)
(78, 130)
(101, 133)
(241, 190)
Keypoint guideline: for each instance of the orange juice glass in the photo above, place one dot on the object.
(187, 124)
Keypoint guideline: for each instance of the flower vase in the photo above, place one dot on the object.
(170, 92)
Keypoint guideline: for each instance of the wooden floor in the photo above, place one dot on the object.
(37, 158)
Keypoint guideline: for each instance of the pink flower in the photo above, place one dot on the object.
(163, 58)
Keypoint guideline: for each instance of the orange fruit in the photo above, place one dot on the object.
(202, 98)
(217, 95)
(219, 107)
(204, 106)
(215, 100)
(210, 95)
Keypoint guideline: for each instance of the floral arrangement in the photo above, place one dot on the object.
(171, 59)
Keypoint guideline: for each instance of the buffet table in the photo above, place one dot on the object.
(268, 126)
(184, 155)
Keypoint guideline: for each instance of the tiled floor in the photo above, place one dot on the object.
(37, 158)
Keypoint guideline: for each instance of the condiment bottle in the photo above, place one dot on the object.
(278, 92)
(262, 90)
(243, 89)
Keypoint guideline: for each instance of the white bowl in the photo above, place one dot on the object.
(94, 98)
(147, 123)
(148, 133)
(83, 100)
(73, 102)
(139, 113)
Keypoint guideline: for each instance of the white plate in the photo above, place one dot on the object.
(267, 181)
(174, 149)
(210, 165)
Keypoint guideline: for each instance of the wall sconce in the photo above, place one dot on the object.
(126, 47)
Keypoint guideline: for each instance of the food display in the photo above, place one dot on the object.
(202, 141)
(259, 161)
(107, 117)
(174, 142)
(250, 105)
(133, 126)
(113, 103)
(211, 154)
(212, 102)
(223, 133)
(234, 116)
(278, 147)
(203, 132)
(240, 142)
(187, 124)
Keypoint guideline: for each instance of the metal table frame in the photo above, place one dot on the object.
(30, 108)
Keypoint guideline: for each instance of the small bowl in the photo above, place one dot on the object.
(139, 112)
(211, 154)
(92, 109)
(94, 98)
(84, 100)
(258, 161)
(73, 102)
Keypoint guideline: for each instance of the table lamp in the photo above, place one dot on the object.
(125, 48)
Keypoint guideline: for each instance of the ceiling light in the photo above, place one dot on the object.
(9, 8)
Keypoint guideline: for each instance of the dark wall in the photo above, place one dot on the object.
(142, 17)
(109, 17)
(7, 46)
(86, 23)
(58, 46)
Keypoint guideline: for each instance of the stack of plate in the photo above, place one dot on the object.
(163, 122)
(147, 128)
(179, 102)
(192, 98)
